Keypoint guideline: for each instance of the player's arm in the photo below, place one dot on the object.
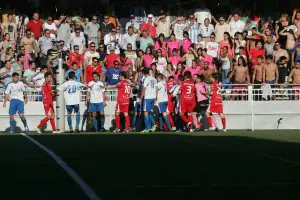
(87, 98)
(290, 76)
(25, 97)
(264, 74)
(109, 86)
(248, 77)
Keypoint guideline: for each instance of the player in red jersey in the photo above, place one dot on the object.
(187, 99)
(47, 95)
(216, 103)
(124, 91)
(171, 102)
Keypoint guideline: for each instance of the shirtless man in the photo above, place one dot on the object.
(270, 72)
(29, 43)
(296, 20)
(206, 71)
(241, 74)
(257, 77)
(295, 75)
(279, 52)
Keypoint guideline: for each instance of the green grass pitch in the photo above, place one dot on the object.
(203, 165)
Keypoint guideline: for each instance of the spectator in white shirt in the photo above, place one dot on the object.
(77, 39)
(178, 27)
(162, 26)
(221, 27)
(112, 41)
(49, 25)
(129, 37)
(135, 25)
(236, 25)
(206, 29)
(90, 54)
(212, 46)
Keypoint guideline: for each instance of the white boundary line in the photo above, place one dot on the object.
(84, 186)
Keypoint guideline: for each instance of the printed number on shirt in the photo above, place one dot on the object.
(127, 89)
(152, 83)
(72, 89)
(219, 91)
(189, 90)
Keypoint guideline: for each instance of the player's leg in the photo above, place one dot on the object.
(127, 121)
(208, 117)
(93, 111)
(223, 119)
(136, 112)
(45, 120)
(146, 109)
(12, 111)
(163, 109)
(77, 112)
(52, 121)
(69, 117)
(151, 118)
(21, 114)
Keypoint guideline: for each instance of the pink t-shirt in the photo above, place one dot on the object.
(27, 58)
(125, 64)
(177, 74)
(223, 44)
(162, 48)
(194, 70)
(201, 91)
(186, 45)
(148, 60)
(175, 60)
(208, 59)
(173, 45)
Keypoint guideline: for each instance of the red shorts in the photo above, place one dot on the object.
(187, 106)
(49, 109)
(121, 107)
(215, 108)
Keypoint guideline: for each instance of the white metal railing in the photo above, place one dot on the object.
(230, 92)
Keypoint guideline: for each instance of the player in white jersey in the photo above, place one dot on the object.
(147, 100)
(71, 90)
(162, 100)
(15, 93)
(96, 96)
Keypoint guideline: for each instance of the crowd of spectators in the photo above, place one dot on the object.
(243, 50)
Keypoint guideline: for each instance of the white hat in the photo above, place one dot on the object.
(150, 16)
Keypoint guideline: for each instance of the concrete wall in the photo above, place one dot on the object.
(239, 114)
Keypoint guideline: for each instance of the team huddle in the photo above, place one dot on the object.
(160, 101)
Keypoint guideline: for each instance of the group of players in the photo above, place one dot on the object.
(187, 97)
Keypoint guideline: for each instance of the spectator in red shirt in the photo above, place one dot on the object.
(90, 69)
(75, 56)
(35, 25)
(110, 58)
(149, 26)
(254, 53)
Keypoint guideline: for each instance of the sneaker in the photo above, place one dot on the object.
(103, 130)
(189, 126)
(174, 128)
(116, 130)
(133, 130)
(153, 128)
(224, 130)
(191, 130)
(145, 131)
(211, 129)
(217, 129)
(38, 130)
(77, 130)
(26, 130)
(125, 131)
(71, 131)
(54, 132)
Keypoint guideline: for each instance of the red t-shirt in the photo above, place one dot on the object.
(124, 90)
(74, 57)
(216, 97)
(47, 93)
(36, 27)
(111, 59)
(150, 28)
(89, 72)
(188, 91)
(254, 53)
(125, 64)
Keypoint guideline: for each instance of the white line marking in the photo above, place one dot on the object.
(84, 186)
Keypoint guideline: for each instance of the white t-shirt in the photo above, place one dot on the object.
(162, 95)
(178, 31)
(39, 78)
(71, 90)
(150, 84)
(15, 90)
(161, 64)
(89, 55)
(212, 49)
(50, 27)
(236, 26)
(96, 93)
(206, 31)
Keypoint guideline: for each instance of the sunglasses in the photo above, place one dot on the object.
(101, 47)
(212, 37)
(92, 46)
(94, 19)
(76, 49)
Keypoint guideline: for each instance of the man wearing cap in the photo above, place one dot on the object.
(221, 27)
(92, 29)
(149, 26)
(133, 23)
(105, 28)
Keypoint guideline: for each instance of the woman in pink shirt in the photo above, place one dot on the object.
(206, 58)
(226, 42)
(172, 44)
(194, 69)
(179, 71)
(175, 58)
(161, 44)
(148, 58)
(186, 42)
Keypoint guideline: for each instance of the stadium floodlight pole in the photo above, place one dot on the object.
(60, 100)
